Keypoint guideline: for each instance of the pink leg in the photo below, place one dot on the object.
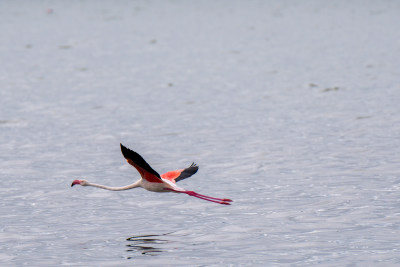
(197, 194)
(223, 201)
(211, 200)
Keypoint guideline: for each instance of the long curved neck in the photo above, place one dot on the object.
(130, 186)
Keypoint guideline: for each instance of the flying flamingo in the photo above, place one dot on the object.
(154, 182)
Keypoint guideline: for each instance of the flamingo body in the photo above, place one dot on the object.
(152, 181)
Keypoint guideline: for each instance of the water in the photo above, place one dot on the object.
(290, 109)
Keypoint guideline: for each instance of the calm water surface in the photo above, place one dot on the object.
(291, 109)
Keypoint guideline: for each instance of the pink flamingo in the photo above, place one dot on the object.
(154, 182)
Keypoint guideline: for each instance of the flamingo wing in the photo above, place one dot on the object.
(141, 165)
(178, 175)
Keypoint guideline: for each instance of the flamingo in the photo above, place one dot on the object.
(154, 182)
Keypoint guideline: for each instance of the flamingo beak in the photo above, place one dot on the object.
(75, 182)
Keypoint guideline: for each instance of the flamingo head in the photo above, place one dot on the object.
(80, 182)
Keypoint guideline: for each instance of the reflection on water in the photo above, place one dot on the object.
(147, 244)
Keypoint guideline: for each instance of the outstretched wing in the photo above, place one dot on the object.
(176, 176)
(141, 165)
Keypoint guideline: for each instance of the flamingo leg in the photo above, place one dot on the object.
(224, 201)
(211, 200)
(220, 199)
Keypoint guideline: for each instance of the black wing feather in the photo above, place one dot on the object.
(186, 173)
(137, 159)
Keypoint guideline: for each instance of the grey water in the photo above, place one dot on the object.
(290, 108)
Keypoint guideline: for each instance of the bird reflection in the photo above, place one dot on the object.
(146, 244)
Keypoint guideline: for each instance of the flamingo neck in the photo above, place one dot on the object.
(126, 187)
